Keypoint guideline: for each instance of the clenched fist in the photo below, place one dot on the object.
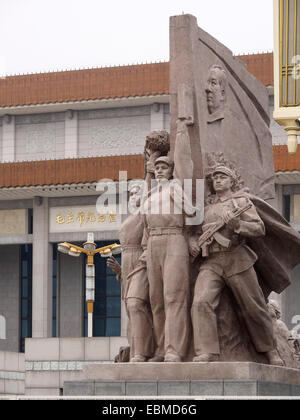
(114, 265)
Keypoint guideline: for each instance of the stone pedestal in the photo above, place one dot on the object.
(186, 379)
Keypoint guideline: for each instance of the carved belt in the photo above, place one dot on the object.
(165, 231)
(131, 247)
(215, 247)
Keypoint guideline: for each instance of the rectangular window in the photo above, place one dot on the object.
(296, 208)
(287, 207)
(107, 307)
(30, 221)
(26, 294)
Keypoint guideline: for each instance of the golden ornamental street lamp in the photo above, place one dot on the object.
(287, 69)
(89, 249)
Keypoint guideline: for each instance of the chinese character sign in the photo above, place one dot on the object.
(84, 218)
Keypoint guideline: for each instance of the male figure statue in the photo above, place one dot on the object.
(229, 261)
(167, 258)
(135, 291)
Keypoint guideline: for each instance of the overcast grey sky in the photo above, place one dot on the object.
(49, 35)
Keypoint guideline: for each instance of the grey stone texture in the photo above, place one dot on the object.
(141, 388)
(276, 389)
(233, 388)
(190, 379)
(12, 373)
(40, 136)
(173, 387)
(113, 131)
(79, 388)
(8, 139)
(71, 134)
(207, 388)
(240, 388)
(10, 295)
(191, 372)
(110, 388)
(50, 362)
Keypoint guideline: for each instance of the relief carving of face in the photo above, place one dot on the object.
(215, 89)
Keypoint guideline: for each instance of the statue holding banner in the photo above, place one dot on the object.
(213, 278)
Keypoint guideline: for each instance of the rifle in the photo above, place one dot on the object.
(205, 238)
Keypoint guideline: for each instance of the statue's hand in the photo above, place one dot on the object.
(194, 248)
(154, 155)
(150, 167)
(231, 221)
(114, 265)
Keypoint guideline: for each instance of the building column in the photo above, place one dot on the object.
(41, 270)
(279, 198)
(157, 117)
(71, 134)
(8, 138)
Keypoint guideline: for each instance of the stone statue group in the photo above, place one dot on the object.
(174, 273)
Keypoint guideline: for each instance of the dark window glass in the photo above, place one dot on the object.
(99, 327)
(99, 308)
(26, 294)
(25, 308)
(113, 326)
(113, 287)
(54, 293)
(113, 306)
(24, 268)
(30, 221)
(25, 288)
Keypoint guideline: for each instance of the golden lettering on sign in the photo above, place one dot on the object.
(85, 217)
(60, 219)
(101, 218)
(112, 217)
(70, 218)
(90, 217)
(80, 218)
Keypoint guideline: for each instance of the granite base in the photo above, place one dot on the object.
(186, 379)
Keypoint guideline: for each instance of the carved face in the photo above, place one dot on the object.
(222, 182)
(215, 93)
(162, 171)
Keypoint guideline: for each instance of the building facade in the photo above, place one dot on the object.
(60, 133)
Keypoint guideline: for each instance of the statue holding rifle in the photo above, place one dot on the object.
(229, 219)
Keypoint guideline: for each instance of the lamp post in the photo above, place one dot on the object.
(287, 69)
(89, 249)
